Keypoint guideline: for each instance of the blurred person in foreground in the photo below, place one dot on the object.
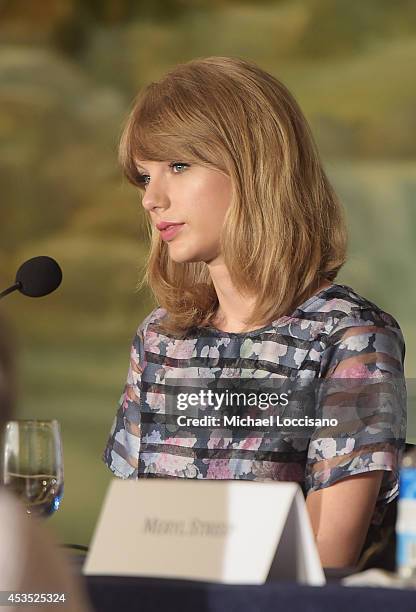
(247, 239)
(30, 560)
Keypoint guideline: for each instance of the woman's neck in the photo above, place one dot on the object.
(220, 321)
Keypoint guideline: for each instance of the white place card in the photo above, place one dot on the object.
(233, 532)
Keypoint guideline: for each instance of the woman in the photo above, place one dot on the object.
(245, 288)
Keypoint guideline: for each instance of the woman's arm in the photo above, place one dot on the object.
(363, 386)
(340, 515)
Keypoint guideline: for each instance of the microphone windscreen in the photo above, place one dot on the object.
(39, 276)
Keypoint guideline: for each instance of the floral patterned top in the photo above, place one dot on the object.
(336, 334)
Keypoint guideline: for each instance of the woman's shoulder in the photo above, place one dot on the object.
(342, 305)
(149, 323)
(358, 327)
(155, 316)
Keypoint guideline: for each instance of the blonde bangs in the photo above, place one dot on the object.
(162, 126)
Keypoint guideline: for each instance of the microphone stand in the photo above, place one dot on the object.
(10, 289)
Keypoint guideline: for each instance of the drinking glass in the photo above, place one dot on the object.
(32, 464)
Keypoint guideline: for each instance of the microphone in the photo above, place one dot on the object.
(36, 277)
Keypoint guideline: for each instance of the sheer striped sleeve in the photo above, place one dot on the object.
(362, 387)
(121, 453)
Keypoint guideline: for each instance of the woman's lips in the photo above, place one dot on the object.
(170, 232)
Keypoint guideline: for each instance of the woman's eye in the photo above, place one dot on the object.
(142, 179)
(173, 164)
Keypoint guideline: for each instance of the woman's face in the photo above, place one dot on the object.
(190, 194)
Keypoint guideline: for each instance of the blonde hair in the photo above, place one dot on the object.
(284, 231)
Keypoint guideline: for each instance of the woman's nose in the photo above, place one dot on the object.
(153, 199)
